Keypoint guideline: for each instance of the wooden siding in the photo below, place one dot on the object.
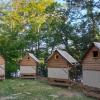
(59, 82)
(59, 73)
(28, 69)
(91, 63)
(57, 63)
(91, 78)
(28, 62)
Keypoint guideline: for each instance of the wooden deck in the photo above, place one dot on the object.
(59, 82)
(28, 76)
(92, 92)
(2, 77)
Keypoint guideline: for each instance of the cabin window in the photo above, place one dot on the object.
(95, 54)
(56, 57)
(28, 58)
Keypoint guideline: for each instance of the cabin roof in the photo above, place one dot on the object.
(94, 44)
(33, 57)
(97, 44)
(65, 55)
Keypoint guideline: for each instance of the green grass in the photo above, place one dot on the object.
(19, 89)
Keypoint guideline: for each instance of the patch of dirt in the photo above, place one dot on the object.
(16, 94)
(55, 96)
(28, 93)
(66, 94)
(69, 94)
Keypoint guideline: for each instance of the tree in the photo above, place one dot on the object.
(19, 21)
(83, 15)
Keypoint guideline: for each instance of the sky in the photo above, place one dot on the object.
(60, 1)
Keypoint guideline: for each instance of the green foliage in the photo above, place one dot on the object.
(42, 68)
(40, 26)
(20, 25)
(83, 15)
(11, 67)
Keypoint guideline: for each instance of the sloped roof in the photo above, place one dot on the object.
(32, 56)
(65, 55)
(97, 44)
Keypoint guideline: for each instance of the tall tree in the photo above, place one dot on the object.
(21, 21)
(84, 16)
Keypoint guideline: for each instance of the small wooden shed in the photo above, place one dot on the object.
(2, 68)
(91, 70)
(28, 66)
(59, 64)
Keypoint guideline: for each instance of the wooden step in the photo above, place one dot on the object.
(92, 94)
(59, 82)
(28, 76)
(2, 77)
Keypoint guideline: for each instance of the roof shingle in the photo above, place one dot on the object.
(65, 55)
(97, 44)
(31, 55)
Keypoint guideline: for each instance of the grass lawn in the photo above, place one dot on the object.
(20, 89)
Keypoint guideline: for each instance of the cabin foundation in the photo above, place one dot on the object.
(91, 91)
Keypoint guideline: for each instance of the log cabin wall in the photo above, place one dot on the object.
(28, 70)
(59, 73)
(90, 62)
(91, 69)
(57, 63)
(58, 68)
(28, 67)
(28, 61)
(91, 78)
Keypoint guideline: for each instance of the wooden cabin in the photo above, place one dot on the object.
(2, 68)
(91, 70)
(28, 66)
(59, 64)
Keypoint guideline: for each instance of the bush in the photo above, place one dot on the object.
(42, 70)
(10, 67)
